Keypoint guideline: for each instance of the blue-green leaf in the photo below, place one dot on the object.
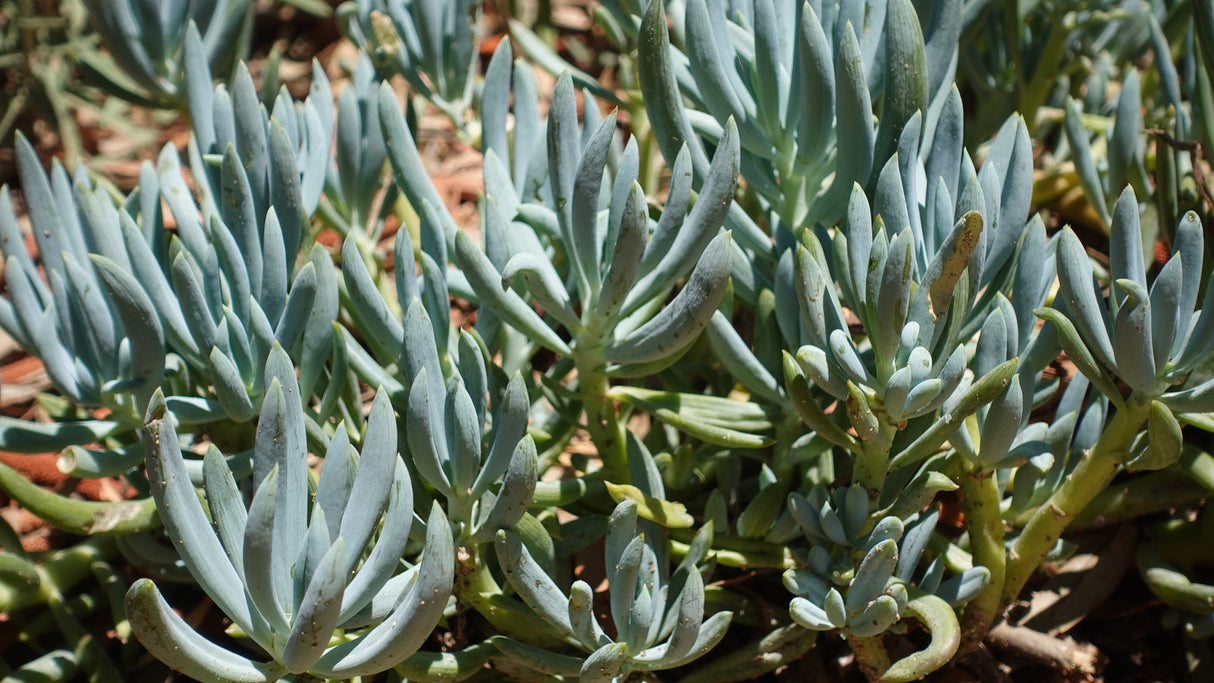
(382, 328)
(660, 90)
(403, 631)
(905, 76)
(139, 320)
(184, 518)
(1076, 286)
(534, 586)
(1133, 349)
(370, 490)
(677, 325)
(487, 283)
(166, 635)
(700, 227)
(319, 609)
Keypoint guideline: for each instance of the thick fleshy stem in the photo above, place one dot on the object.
(1089, 478)
(871, 464)
(870, 655)
(602, 420)
(58, 572)
(984, 522)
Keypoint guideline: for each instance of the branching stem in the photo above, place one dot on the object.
(1088, 478)
(984, 521)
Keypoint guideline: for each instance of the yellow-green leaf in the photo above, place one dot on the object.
(664, 512)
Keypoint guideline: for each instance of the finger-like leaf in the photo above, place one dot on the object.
(318, 612)
(629, 250)
(878, 616)
(409, 171)
(518, 489)
(532, 583)
(1081, 152)
(941, 621)
(402, 632)
(905, 76)
(741, 362)
(538, 659)
(258, 553)
(588, 182)
(622, 578)
(603, 665)
(383, 328)
(509, 426)
(487, 283)
(274, 268)
(376, 571)
(545, 286)
(463, 438)
(1075, 286)
(173, 641)
(193, 302)
(1133, 348)
(285, 192)
(420, 437)
(139, 320)
(854, 115)
(581, 617)
(660, 90)
(712, 631)
(979, 394)
(1125, 244)
(1123, 139)
(239, 213)
(677, 325)
(184, 518)
(698, 230)
(370, 490)
(669, 514)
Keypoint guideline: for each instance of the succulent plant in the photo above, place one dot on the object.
(146, 42)
(620, 265)
(430, 43)
(128, 307)
(883, 309)
(658, 616)
(450, 445)
(98, 349)
(355, 195)
(1150, 340)
(291, 572)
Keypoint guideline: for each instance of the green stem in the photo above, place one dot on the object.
(871, 655)
(649, 175)
(984, 522)
(744, 553)
(82, 517)
(872, 463)
(606, 430)
(791, 182)
(1088, 479)
(602, 420)
(447, 666)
